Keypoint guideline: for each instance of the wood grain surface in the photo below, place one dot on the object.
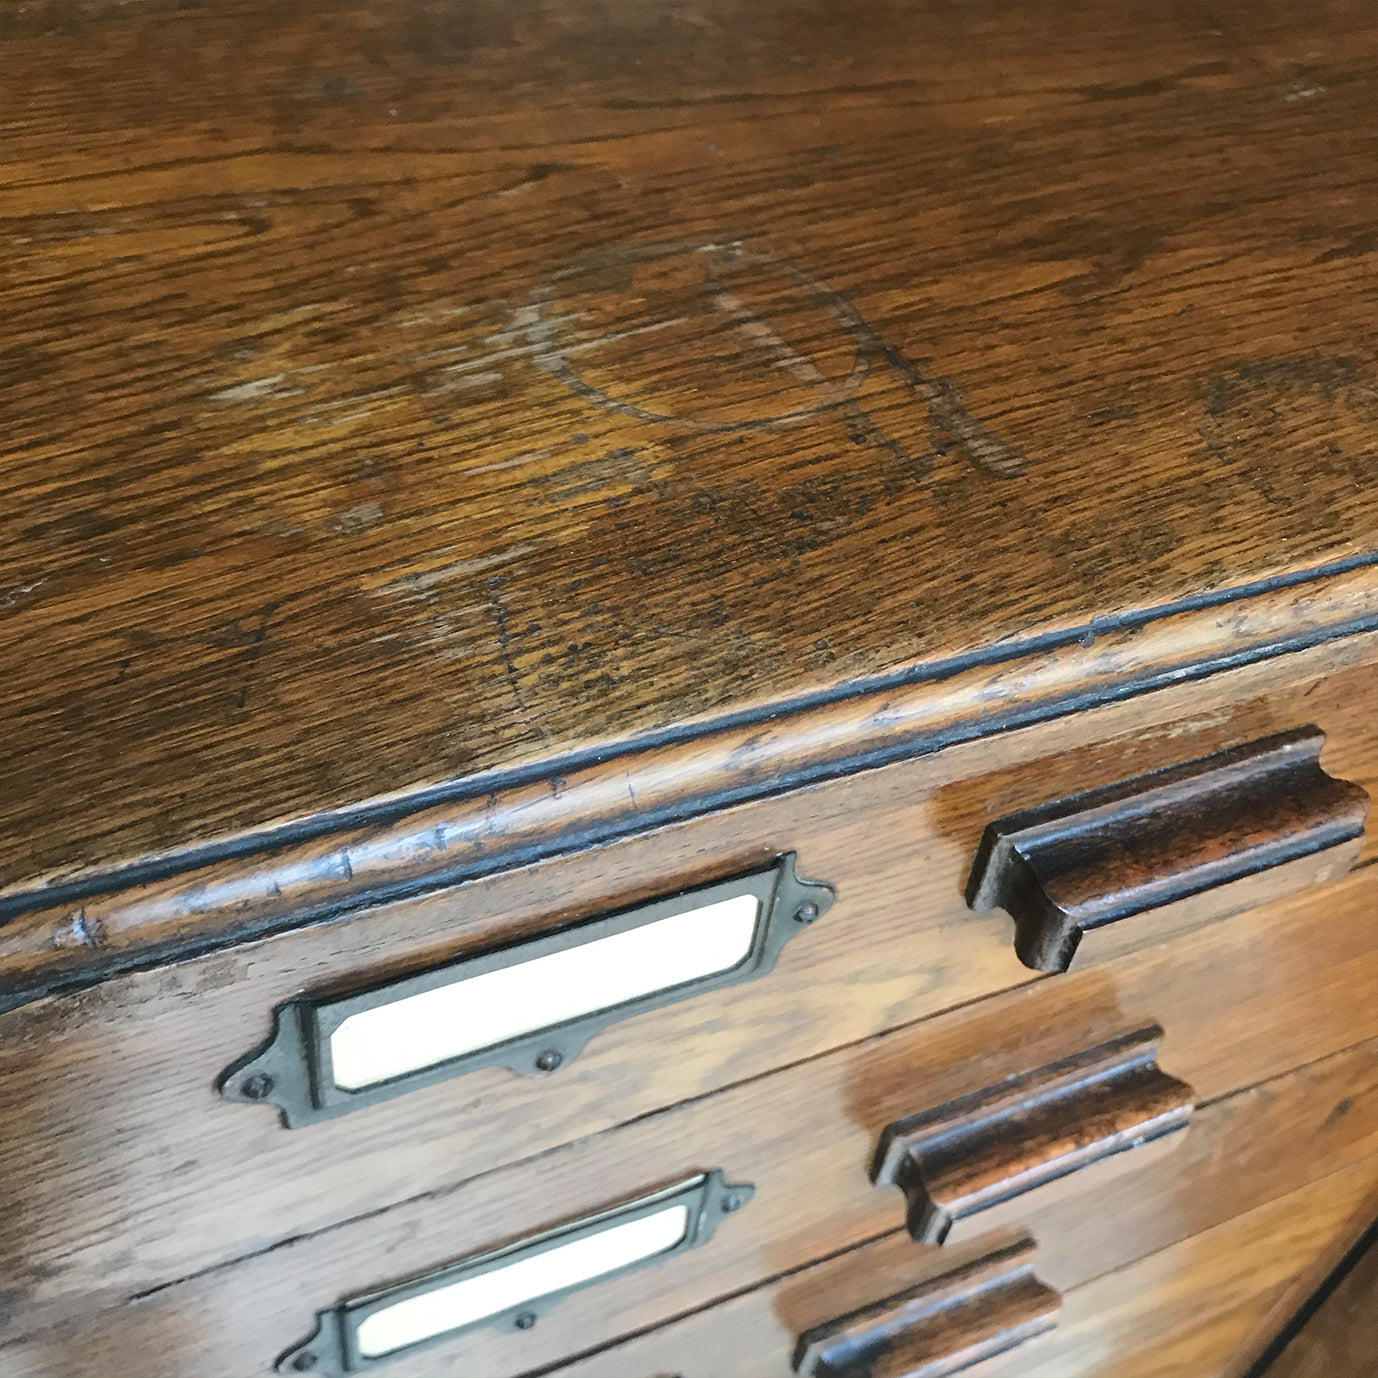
(1305, 1297)
(136, 1060)
(1338, 1334)
(399, 392)
(132, 1256)
(1183, 1309)
(948, 797)
(1189, 1308)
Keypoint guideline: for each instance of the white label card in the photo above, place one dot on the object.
(422, 1030)
(474, 1299)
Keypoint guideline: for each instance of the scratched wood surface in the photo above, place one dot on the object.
(394, 392)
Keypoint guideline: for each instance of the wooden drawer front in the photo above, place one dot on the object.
(1184, 1309)
(135, 1061)
(1242, 1002)
(1193, 1307)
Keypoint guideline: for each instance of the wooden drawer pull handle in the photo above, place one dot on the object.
(953, 1320)
(1076, 864)
(961, 1158)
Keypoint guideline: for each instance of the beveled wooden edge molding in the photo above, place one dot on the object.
(1075, 864)
(76, 930)
(967, 1155)
(978, 1308)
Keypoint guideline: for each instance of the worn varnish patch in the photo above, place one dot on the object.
(395, 393)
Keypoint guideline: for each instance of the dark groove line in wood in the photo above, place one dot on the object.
(450, 1188)
(372, 814)
(1299, 1320)
(230, 934)
(850, 1248)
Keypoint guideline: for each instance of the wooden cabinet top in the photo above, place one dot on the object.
(399, 393)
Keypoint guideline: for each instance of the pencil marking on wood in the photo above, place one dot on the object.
(712, 286)
(499, 612)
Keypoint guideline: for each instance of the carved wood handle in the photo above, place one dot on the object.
(968, 1155)
(1080, 863)
(973, 1310)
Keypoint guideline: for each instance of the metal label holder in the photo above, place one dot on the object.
(293, 1069)
(333, 1348)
